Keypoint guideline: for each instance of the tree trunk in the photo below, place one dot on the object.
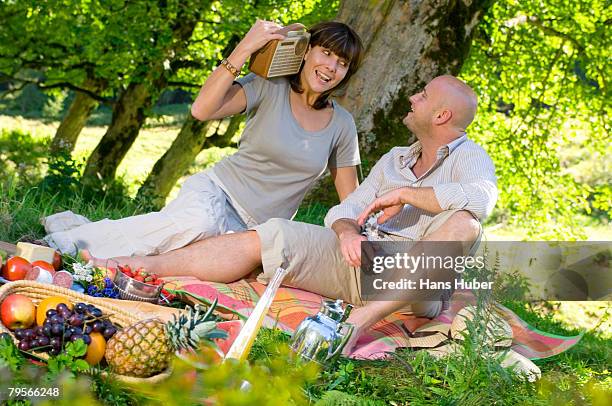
(230, 131)
(175, 161)
(407, 43)
(190, 141)
(77, 115)
(128, 117)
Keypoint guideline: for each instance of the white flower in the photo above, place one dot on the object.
(83, 272)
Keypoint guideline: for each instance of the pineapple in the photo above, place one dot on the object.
(146, 348)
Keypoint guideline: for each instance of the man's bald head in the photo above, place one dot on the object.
(445, 106)
(458, 97)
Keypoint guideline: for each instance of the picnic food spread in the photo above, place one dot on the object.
(49, 327)
(141, 347)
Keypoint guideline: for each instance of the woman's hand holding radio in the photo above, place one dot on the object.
(259, 35)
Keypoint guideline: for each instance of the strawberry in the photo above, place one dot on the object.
(139, 278)
(148, 279)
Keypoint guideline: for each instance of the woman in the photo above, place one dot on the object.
(293, 133)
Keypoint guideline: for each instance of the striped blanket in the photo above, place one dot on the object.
(291, 306)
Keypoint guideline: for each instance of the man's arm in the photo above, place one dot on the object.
(475, 190)
(391, 203)
(342, 217)
(474, 186)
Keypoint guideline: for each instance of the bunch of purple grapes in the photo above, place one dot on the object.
(63, 325)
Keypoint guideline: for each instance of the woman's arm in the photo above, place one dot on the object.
(345, 180)
(219, 97)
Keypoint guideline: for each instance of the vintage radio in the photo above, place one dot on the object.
(281, 57)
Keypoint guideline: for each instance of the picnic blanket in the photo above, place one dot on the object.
(291, 306)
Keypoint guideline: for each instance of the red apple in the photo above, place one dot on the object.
(16, 268)
(17, 311)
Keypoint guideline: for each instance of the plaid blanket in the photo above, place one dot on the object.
(291, 306)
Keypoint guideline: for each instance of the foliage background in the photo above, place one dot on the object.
(539, 67)
(541, 71)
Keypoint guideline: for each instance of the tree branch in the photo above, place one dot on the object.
(182, 64)
(538, 23)
(185, 84)
(13, 90)
(63, 85)
(68, 85)
(581, 48)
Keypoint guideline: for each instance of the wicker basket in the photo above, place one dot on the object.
(121, 316)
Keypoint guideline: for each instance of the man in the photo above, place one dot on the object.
(438, 189)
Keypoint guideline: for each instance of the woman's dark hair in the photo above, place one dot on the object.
(341, 40)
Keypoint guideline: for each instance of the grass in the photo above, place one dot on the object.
(578, 376)
(595, 230)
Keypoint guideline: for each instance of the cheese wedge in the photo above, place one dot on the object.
(33, 252)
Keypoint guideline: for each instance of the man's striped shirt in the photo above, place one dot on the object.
(463, 177)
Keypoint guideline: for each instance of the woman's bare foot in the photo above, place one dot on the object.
(113, 263)
(86, 256)
(99, 262)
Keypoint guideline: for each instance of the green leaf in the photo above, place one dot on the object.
(80, 365)
(76, 348)
(10, 354)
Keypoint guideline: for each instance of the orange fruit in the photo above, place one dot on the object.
(96, 349)
(49, 303)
